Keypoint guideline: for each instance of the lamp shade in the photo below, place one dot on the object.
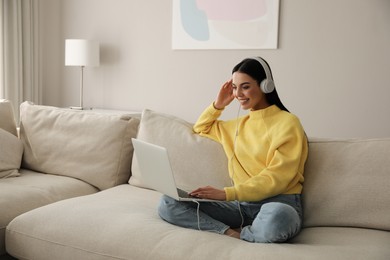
(81, 52)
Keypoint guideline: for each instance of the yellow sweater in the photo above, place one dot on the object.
(270, 151)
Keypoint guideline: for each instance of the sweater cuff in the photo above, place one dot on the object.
(211, 110)
(230, 193)
(216, 107)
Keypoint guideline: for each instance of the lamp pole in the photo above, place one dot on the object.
(81, 87)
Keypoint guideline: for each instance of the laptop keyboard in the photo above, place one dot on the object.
(184, 194)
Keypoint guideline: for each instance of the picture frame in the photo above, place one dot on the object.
(225, 24)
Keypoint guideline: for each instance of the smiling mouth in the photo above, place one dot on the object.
(242, 101)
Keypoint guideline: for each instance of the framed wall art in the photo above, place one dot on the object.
(225, 24)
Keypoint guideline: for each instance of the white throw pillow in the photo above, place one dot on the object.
(196, 161)
(11, 153)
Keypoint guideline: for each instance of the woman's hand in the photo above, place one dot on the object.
(209, 192)
(225, 95)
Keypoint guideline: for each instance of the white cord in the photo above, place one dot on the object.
(231, 161)
(198, 218)
(231, 179)
(197, 213)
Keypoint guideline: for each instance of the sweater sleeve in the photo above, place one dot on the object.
(284, 168)
(207, 123)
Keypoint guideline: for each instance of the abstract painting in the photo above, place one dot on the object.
(225, 24)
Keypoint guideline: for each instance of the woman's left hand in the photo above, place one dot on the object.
(209, 192)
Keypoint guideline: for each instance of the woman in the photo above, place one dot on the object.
(267, 150)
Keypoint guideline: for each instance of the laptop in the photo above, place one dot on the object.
(156, 171)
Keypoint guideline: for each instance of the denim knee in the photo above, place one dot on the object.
(276, 222)
(165, 208)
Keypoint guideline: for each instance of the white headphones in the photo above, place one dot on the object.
(267, 85)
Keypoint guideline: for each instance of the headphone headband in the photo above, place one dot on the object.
(267, 85)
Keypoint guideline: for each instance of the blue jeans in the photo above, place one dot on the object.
(272, 220)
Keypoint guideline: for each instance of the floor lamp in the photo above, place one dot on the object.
(81, 53)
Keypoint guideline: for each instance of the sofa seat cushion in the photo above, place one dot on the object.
(122, 223)
(31, 190)
(90, 146)
(343, 243)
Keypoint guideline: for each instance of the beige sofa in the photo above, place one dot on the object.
(66, 153)
(346, 196)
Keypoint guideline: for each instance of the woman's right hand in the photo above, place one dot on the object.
(225, 95)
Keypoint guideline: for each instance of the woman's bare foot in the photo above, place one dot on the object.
(232, 233)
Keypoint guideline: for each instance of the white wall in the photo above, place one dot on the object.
(331, 69)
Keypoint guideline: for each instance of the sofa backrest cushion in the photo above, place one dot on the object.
(196, 161)
(7, 119)
(11, 152)
(347, 183)
(86, 145)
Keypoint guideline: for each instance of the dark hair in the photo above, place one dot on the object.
(254, 69)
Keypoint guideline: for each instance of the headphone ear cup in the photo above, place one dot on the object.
(267, 86)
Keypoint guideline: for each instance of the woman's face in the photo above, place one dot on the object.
(247, 91)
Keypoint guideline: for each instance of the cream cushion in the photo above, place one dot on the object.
(11, 152)
(7, 120)
(85, 145)
(196, 161)
(341, 176)
(32, 190)
(122, 223)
